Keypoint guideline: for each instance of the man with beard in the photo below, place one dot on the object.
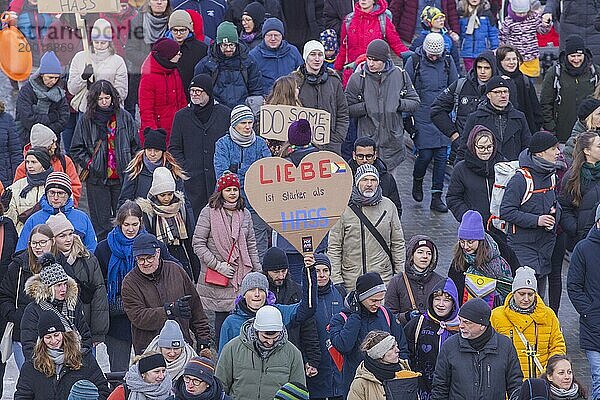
(368, 237)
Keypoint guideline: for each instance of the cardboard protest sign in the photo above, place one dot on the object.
(276, 119)
(301, 203)
(77, 6)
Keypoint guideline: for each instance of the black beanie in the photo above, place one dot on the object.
(542, 141)
(476, 310)
(256, 11)
(275, 259)
(155, 139)
(322, 259)
(151, 362)
(495, 82)
(369, 284)
(379, 50)
(574, 44)
(587, 107)
(49, 322)
(204, 82)
(42, 155)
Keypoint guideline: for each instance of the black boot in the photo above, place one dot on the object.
(437, 204)
(417, 189)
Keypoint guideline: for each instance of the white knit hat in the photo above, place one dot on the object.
(162, 181)
(41, 136)
(312, 45)
(101, 31)
(434, 44)
(268, 319)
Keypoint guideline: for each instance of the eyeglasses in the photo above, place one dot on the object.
(180, 31)
(276, 35)
(39, 243)
(196, 91)
(365, 156)
(145, 260)
(195, 381)
(501, 92)
(56, 193)
(489, 147)
(228, 45)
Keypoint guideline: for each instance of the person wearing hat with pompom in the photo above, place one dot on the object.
(53, 290)
(588, 119)
(431, 70)
(379, 120)
(275, 57)
(58, 198)
(193, 151)
(567, 84)
(529, 322)
(235, 151)
(532, 223)
(514, 136)
(235, 74)
(478, 363)
(263, 338)
(353, 247)
(199, 382)
(59, 368)
(161, 92)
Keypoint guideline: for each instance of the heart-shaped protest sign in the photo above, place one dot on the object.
(301, 203)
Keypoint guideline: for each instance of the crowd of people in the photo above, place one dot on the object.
(124, 218)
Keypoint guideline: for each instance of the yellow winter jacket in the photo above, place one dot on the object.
(540, 328)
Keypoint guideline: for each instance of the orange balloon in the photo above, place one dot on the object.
(16, 60)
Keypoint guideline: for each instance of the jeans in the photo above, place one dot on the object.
(555, 277)
(67, 134)
(424, 157)
(119, 353)
(102, 202)
(594, 360)
(18, 354)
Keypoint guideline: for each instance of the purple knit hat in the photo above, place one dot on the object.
(471, 226)
(299, 133)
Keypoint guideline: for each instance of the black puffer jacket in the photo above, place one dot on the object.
(87, 133)
(8, 246)
(32, 384)
(577, 220)
(9, 292)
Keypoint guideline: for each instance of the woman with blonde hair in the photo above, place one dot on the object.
(58, 362)
(147, 378)
(85, 269)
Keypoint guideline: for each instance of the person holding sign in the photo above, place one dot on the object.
(356, 245)
(225, 244)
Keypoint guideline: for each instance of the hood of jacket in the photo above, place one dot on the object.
(281, 52)
(245, 338)
(526, 160)
(488, 56)
(447, 286)
(379, 8)
(411, 246)
(66, 209)
(38, 291)
(388, 68)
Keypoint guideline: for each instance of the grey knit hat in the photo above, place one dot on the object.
(364, 171)
(524, 279)
(170, 336)
(52, 272)
(254, 280)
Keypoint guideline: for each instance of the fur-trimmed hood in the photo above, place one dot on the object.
(146, 204)
(38, 291)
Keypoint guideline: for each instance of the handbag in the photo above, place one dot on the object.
(85, 172)
(215, 278)
(6, 342)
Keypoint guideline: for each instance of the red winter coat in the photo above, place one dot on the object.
(404, 13)
(364, 28)
(161, 95)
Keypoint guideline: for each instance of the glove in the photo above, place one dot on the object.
(6, 197)
(87, 72)
(225, 269)
(202, 346)
(352, 302)
(180, 308)
(411, 314)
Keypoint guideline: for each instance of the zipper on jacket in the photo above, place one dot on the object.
(488, 375)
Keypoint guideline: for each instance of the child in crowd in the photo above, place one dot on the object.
(478, 32)
(434, 20)
(330, 42)
(520, 29)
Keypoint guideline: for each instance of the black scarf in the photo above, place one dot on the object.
(213, 392)
(34, 180)
(323, 290)
(203, 113)
(382, 372)
(481, 167)
(480, 342)
(360, 200)
(101, 118)
(313, 79)
(578, 71)
(244, 306)
(168, 64)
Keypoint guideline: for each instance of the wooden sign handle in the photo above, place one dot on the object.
(82, 32)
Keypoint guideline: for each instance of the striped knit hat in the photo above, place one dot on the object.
(58, 180)
(201, 368)
(292, 391)
(241, 113)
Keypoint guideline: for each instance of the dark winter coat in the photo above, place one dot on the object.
(193, 146)
(304, 336)
(524, 97)
(235, 78)
(303, 19)
(334, 12)
(532, 244)
(397, 297)
(32, 384)
(326, 93)
(424, 345)
(328, 382)
(469, 98)
(38, 291)
(449, 44)
(192, 50)
(11, 154)
(583, 287)
(378, 101)
(274, 63)
(387, 182)
(212, 12)
(577, 220)
(9, 292)
(509, 126)
(140, 185)
(462, 372)
(560, 113)
(235, 9)
(8, 246)
(405, 16)
(87, 134)
(429, 81)
(144, 297)
(347, 335)
(28, 112)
